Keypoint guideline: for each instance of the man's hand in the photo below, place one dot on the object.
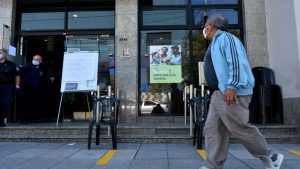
(230, 96)
(18, 89)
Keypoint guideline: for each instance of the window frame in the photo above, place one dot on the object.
(190, 27)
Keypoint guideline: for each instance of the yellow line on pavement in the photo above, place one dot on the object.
(202, 154)
(295, 152)
(106, 157)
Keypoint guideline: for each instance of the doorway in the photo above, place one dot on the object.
(52, 48)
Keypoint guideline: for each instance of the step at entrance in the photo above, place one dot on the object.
(129, 133)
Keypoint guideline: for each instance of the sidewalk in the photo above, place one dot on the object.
(128, 156)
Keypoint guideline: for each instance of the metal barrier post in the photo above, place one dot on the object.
(185, 102)
(109, 94)
(97, 108)
(191, 114)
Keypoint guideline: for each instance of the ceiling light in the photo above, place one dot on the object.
(75, 16)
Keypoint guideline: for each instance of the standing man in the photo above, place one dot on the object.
(33, 83)
(9, 80)
(229, 75)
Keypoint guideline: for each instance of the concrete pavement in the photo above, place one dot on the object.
(23, 155)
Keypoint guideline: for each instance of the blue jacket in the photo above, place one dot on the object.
(231, 64)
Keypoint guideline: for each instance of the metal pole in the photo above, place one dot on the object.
(58, 114)
(191, 114)
(185, 102)
(88, 104)
(97, 108)
(109, 95)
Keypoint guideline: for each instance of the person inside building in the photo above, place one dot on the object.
(158, 110)
(33, 83)
(9, 81)
(176, 100)
(228, 75)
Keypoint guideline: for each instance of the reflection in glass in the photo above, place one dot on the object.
(207, 2)
(164, 2)
(91, 19)
(164, 17)
(230, 14)
(42, 21)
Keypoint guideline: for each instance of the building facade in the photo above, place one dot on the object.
(129, 33)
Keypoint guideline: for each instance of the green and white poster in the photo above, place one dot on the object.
(165, 64)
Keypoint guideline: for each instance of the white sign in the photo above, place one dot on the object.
(12, 50)
(80, 72)
(202, 80)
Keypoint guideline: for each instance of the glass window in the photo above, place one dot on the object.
(202, 2)
(164, 2)
(230, 14)
(236, 32)
(42, 21)
(91, 19)
(164, 17)
(164, 67)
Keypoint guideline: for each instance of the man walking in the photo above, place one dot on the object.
(229, 76)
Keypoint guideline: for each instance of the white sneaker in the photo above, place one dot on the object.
(203, 167)
(273, 161)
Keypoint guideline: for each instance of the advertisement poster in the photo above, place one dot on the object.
(165, 64)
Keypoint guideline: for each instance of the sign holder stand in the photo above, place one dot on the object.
(80, 71)
(60, 103)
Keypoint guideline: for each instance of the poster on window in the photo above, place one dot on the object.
(165, 64)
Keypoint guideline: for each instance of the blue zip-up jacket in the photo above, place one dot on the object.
(231, 64)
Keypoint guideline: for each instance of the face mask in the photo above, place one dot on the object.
(204, 32)
(1, 55)
(35, 62)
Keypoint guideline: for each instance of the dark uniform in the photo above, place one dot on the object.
(33, 84)
(8, 73)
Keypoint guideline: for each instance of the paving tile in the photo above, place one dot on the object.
(75, 164)
(149, 164)
(185, 163)
(114, 164)
(235, 164)
(153, 147)
(125, 155)
(242, 154)
(88, 154)
(73, 146)
(58, 153)
(7, 163)
(179, 147)
(27, 153)
(49, 145)
(253, 163)
(38, 163)
(291, 164)
(151, 154)
(180, 154)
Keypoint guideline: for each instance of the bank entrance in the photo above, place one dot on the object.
(52, 49)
